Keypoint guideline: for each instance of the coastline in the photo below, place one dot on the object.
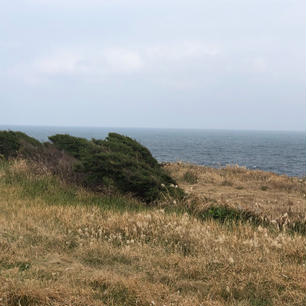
(276, 151)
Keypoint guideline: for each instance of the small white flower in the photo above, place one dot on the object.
(231, 260)
(260, 229)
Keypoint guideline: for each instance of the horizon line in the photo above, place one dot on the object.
(150, 128)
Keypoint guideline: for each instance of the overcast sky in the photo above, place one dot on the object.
(224, 64)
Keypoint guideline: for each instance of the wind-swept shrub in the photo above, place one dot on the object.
(75, 146)
(17, 143)
(119, 143)
(117, 162)
(9, 144)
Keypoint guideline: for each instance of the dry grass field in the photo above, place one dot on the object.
(61, 245)
(263, 193)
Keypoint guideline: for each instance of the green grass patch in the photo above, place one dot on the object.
(297, 227)
(190, 177)
(22, 266)
(55, 192)
(225, 214)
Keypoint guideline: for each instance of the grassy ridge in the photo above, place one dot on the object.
(62, 245)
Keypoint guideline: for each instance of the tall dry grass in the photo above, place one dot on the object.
(92, 253)
(264, 193)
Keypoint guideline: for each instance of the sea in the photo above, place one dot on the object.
(278, 152)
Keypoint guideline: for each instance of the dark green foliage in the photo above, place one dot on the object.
(118, 162)
(77, 147)
(24, 138)
(229, 214)
(9, 144)
(17, 143)
(124, 144)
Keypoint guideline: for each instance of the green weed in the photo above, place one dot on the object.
(190, 177)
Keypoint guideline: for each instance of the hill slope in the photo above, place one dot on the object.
(62, 245)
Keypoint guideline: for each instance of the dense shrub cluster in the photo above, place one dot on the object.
(17, 143)
(116, 163)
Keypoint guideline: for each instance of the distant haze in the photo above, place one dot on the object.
(220, 64)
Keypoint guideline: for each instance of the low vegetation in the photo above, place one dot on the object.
(251, 194)
(190, 177)
(13, 144)
(233, 244)
(116, 164)
(63, 245)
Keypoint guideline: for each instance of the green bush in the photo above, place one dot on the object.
(17, 143)
(9, 144)
(117, 162)
(77, 147)
(24, 138)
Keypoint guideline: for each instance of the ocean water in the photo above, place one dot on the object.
(279, 152)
